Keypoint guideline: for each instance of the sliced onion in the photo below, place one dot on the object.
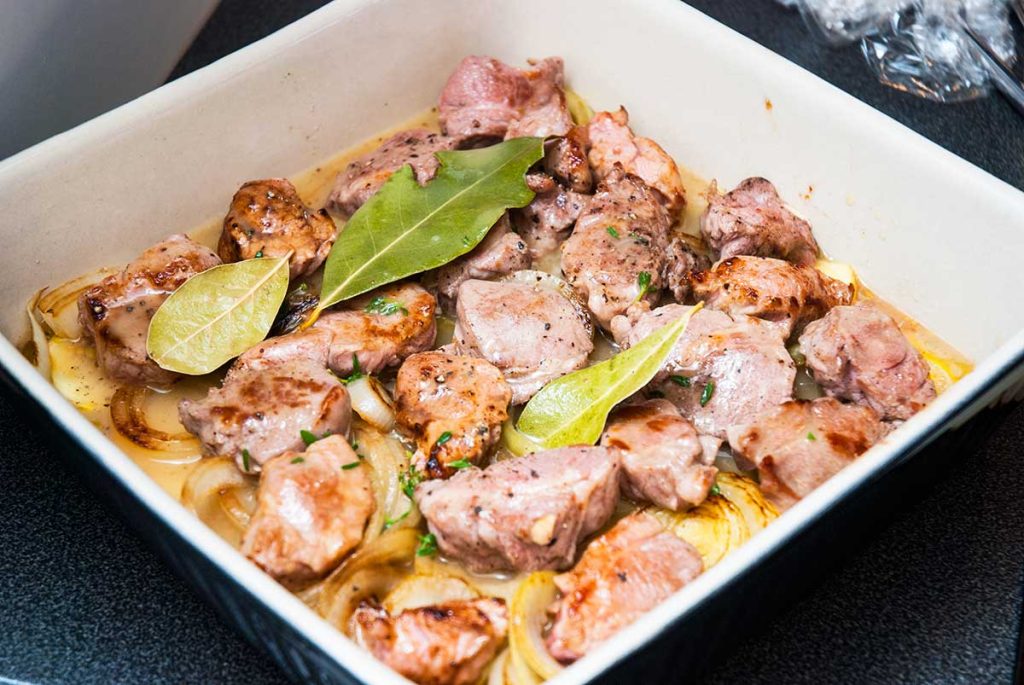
(744, 493)
(40, 352)
(517, 671)
(488, 585)
(129, 418)
(221, 496)
(58, 307)
(542, 279)
(805, 387)
(77, 376)
(421, 590)
(497, 674)
(387, 460)
(528, 616)
(714, 528)
(840, 271)
(369, 573)
(372, 401)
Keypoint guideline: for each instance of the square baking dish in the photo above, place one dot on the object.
(927, 231)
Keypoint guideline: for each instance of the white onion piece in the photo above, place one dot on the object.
(421, 590)
(129, 418)
(58, 307)
(488, 585)
(77, 376)
(372, 401)
(41, 349)
(528, 615)
(387, 460)
(542, 279)
(497, 674)
(221, 496)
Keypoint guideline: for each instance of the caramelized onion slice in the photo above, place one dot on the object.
(529, 614)
(714, 528)
(77, 376)
(58, 307)
(129, 417)
(497, 674)
(421, 590)
(39, 353)
(387, 460)
(757, 511)
(372, 401)
(488, 585)
(369, 573)
(221, 496)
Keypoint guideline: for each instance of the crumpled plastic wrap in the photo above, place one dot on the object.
(917, 46)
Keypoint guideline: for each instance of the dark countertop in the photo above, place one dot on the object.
(933, 598)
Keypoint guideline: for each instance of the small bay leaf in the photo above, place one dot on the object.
(573, 409)
(406, 228)
(217, 314)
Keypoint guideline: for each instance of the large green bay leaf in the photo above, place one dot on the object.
(573, 409)
(405, 228)
(217, 314)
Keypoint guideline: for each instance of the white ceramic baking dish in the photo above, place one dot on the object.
(928, 231)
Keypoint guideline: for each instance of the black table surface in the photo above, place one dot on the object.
(933, 598)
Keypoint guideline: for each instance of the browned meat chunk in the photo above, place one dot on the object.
(115, 313)
(860, 354)
(523, 514)
(363, 178)
(613, 143)
(770, 289)
(566, 160)
(380, 329)
(268, 219)
(311, 511)
(531, 332)
(752, 220)
(261, 409)
(686, 255)
(664, 461)
(799, 445)
(452, 406)
(549, 218)
(500, 253)
(723, 370)
(444, 644)
(486, 100)
(618, 244)
(622, 574)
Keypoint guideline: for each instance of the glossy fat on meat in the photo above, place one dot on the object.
(770, 289)
(622, 233)
(799, 445)
(115, 313)
(260, 411)
(530, 332)
(613, 143)
(485, 100)
(363, 177)
(548, 220)
(380, 329)
(752, 220)
(622, 574)
(500, 253)
(723, 370)
(442, 644)
(267, 218)
(311, 511)
(664, 461)
(451, 406)
(523, 514)
(859, 354)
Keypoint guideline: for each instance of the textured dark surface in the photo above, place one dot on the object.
(934, 598)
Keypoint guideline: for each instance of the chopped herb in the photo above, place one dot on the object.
(298, 460)
(713, 490)
(308, 437)
(708, 391)
(245, 459)
(680, 380)
(445, 437)
(390, 522)
(460, 464)
(385, 307)
(811, 437)
(357, 372)
(612, 232)
(259, 255)
(350, 465)
(428, 545)
(355, 446)
(409, 480)
(641, 239)
(643, 280)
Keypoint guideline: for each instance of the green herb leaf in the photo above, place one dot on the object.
(217, 315)
(390, 522)
(427, 546)
(357, 372)
(713, 490)
(643, 281)
(572, 410)
(706, 393)
(384, 306)
(680, 380)
(811, 437)
(409, 480)
(406, 228)
(308, 437)
(459, 464)
(613, 232)
(246, 459)
(298, 460)
(350, 465)
(641, 239)
(445, 437)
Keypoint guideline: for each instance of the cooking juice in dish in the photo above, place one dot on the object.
(401, 566)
